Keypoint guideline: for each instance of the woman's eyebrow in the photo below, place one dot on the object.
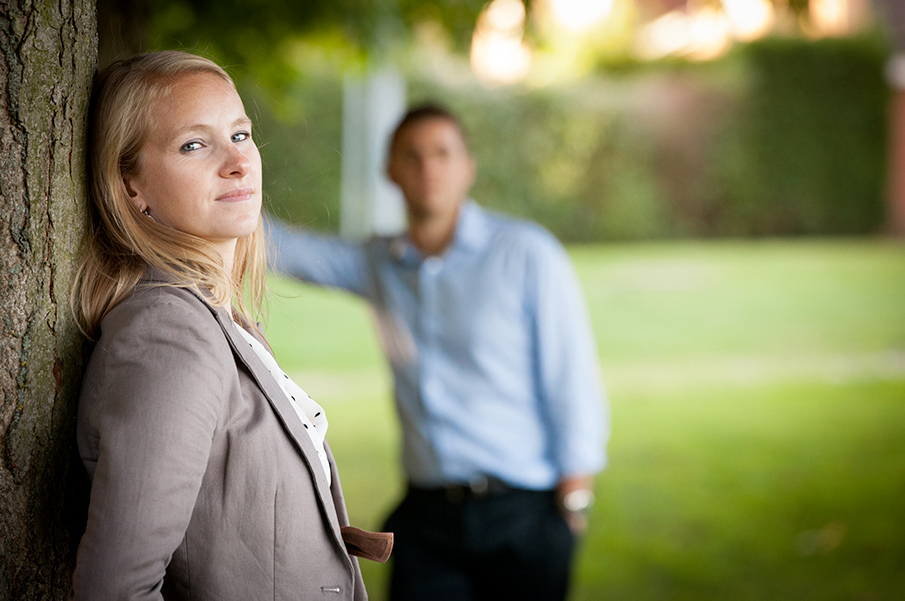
(243, 121)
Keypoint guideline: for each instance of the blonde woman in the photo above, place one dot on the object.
(211, 477)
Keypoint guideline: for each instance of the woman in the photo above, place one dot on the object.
(211, 478)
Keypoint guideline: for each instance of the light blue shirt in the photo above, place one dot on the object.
(494, 363)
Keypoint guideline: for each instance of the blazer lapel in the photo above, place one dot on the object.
(285, 413)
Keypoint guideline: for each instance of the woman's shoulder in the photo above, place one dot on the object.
(160, 352)
(161, 299)
(162, 342)
(165, 310)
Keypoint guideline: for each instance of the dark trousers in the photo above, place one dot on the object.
(512, 544)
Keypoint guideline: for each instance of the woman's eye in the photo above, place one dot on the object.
(241, 136)
(190, 146)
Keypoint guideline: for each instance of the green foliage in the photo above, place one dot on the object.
(787, 136)
(809, 149)
(260, 35)
(783, 137)
(756, 392)
(300, 136)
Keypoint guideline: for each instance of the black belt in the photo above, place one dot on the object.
(479, 488)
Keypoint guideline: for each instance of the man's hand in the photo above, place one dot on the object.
(575, 496)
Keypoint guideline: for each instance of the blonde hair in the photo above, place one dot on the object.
(123, 242)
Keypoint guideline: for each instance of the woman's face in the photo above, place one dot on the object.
(200, 171)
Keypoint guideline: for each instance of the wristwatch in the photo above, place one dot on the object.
(579, 500)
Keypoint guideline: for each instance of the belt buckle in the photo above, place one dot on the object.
(460, 493)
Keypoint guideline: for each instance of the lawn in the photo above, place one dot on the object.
(757, 392)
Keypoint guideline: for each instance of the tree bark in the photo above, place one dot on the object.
(47, 60)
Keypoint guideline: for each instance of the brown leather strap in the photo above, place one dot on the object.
(375, 546)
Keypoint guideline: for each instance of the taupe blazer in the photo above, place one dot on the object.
(204, 483)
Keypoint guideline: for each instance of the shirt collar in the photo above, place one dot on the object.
(472, 233)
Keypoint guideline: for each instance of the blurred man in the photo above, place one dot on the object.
(495, 371)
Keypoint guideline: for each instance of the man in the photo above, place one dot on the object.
(495, 372)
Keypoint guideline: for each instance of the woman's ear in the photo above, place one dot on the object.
(134, 195)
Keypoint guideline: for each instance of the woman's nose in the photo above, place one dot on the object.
(236, 164)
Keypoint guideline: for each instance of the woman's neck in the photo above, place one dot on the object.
(227, 254)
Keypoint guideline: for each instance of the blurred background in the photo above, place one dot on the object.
(728, 177)
(603, 119)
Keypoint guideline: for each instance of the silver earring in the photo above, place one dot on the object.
(146, 212)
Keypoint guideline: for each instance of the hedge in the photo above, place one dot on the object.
(781, 137)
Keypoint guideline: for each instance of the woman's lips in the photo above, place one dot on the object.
(237, 195)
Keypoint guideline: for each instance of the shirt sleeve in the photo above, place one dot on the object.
(567, 364)
(317, 259)
(151, 405)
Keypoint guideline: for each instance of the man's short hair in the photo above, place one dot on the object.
(425, 112)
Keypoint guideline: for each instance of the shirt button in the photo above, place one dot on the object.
(433, 265)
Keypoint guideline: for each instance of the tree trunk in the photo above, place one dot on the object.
(47, 60)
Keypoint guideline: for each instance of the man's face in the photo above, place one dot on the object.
(431, 165)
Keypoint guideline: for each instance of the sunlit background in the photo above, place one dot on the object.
(697, 29)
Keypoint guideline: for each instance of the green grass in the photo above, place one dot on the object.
(757, 392)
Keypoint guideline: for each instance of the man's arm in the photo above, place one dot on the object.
(568, 376)
(316, 258)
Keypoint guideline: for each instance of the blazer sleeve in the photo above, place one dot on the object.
(151, 401)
